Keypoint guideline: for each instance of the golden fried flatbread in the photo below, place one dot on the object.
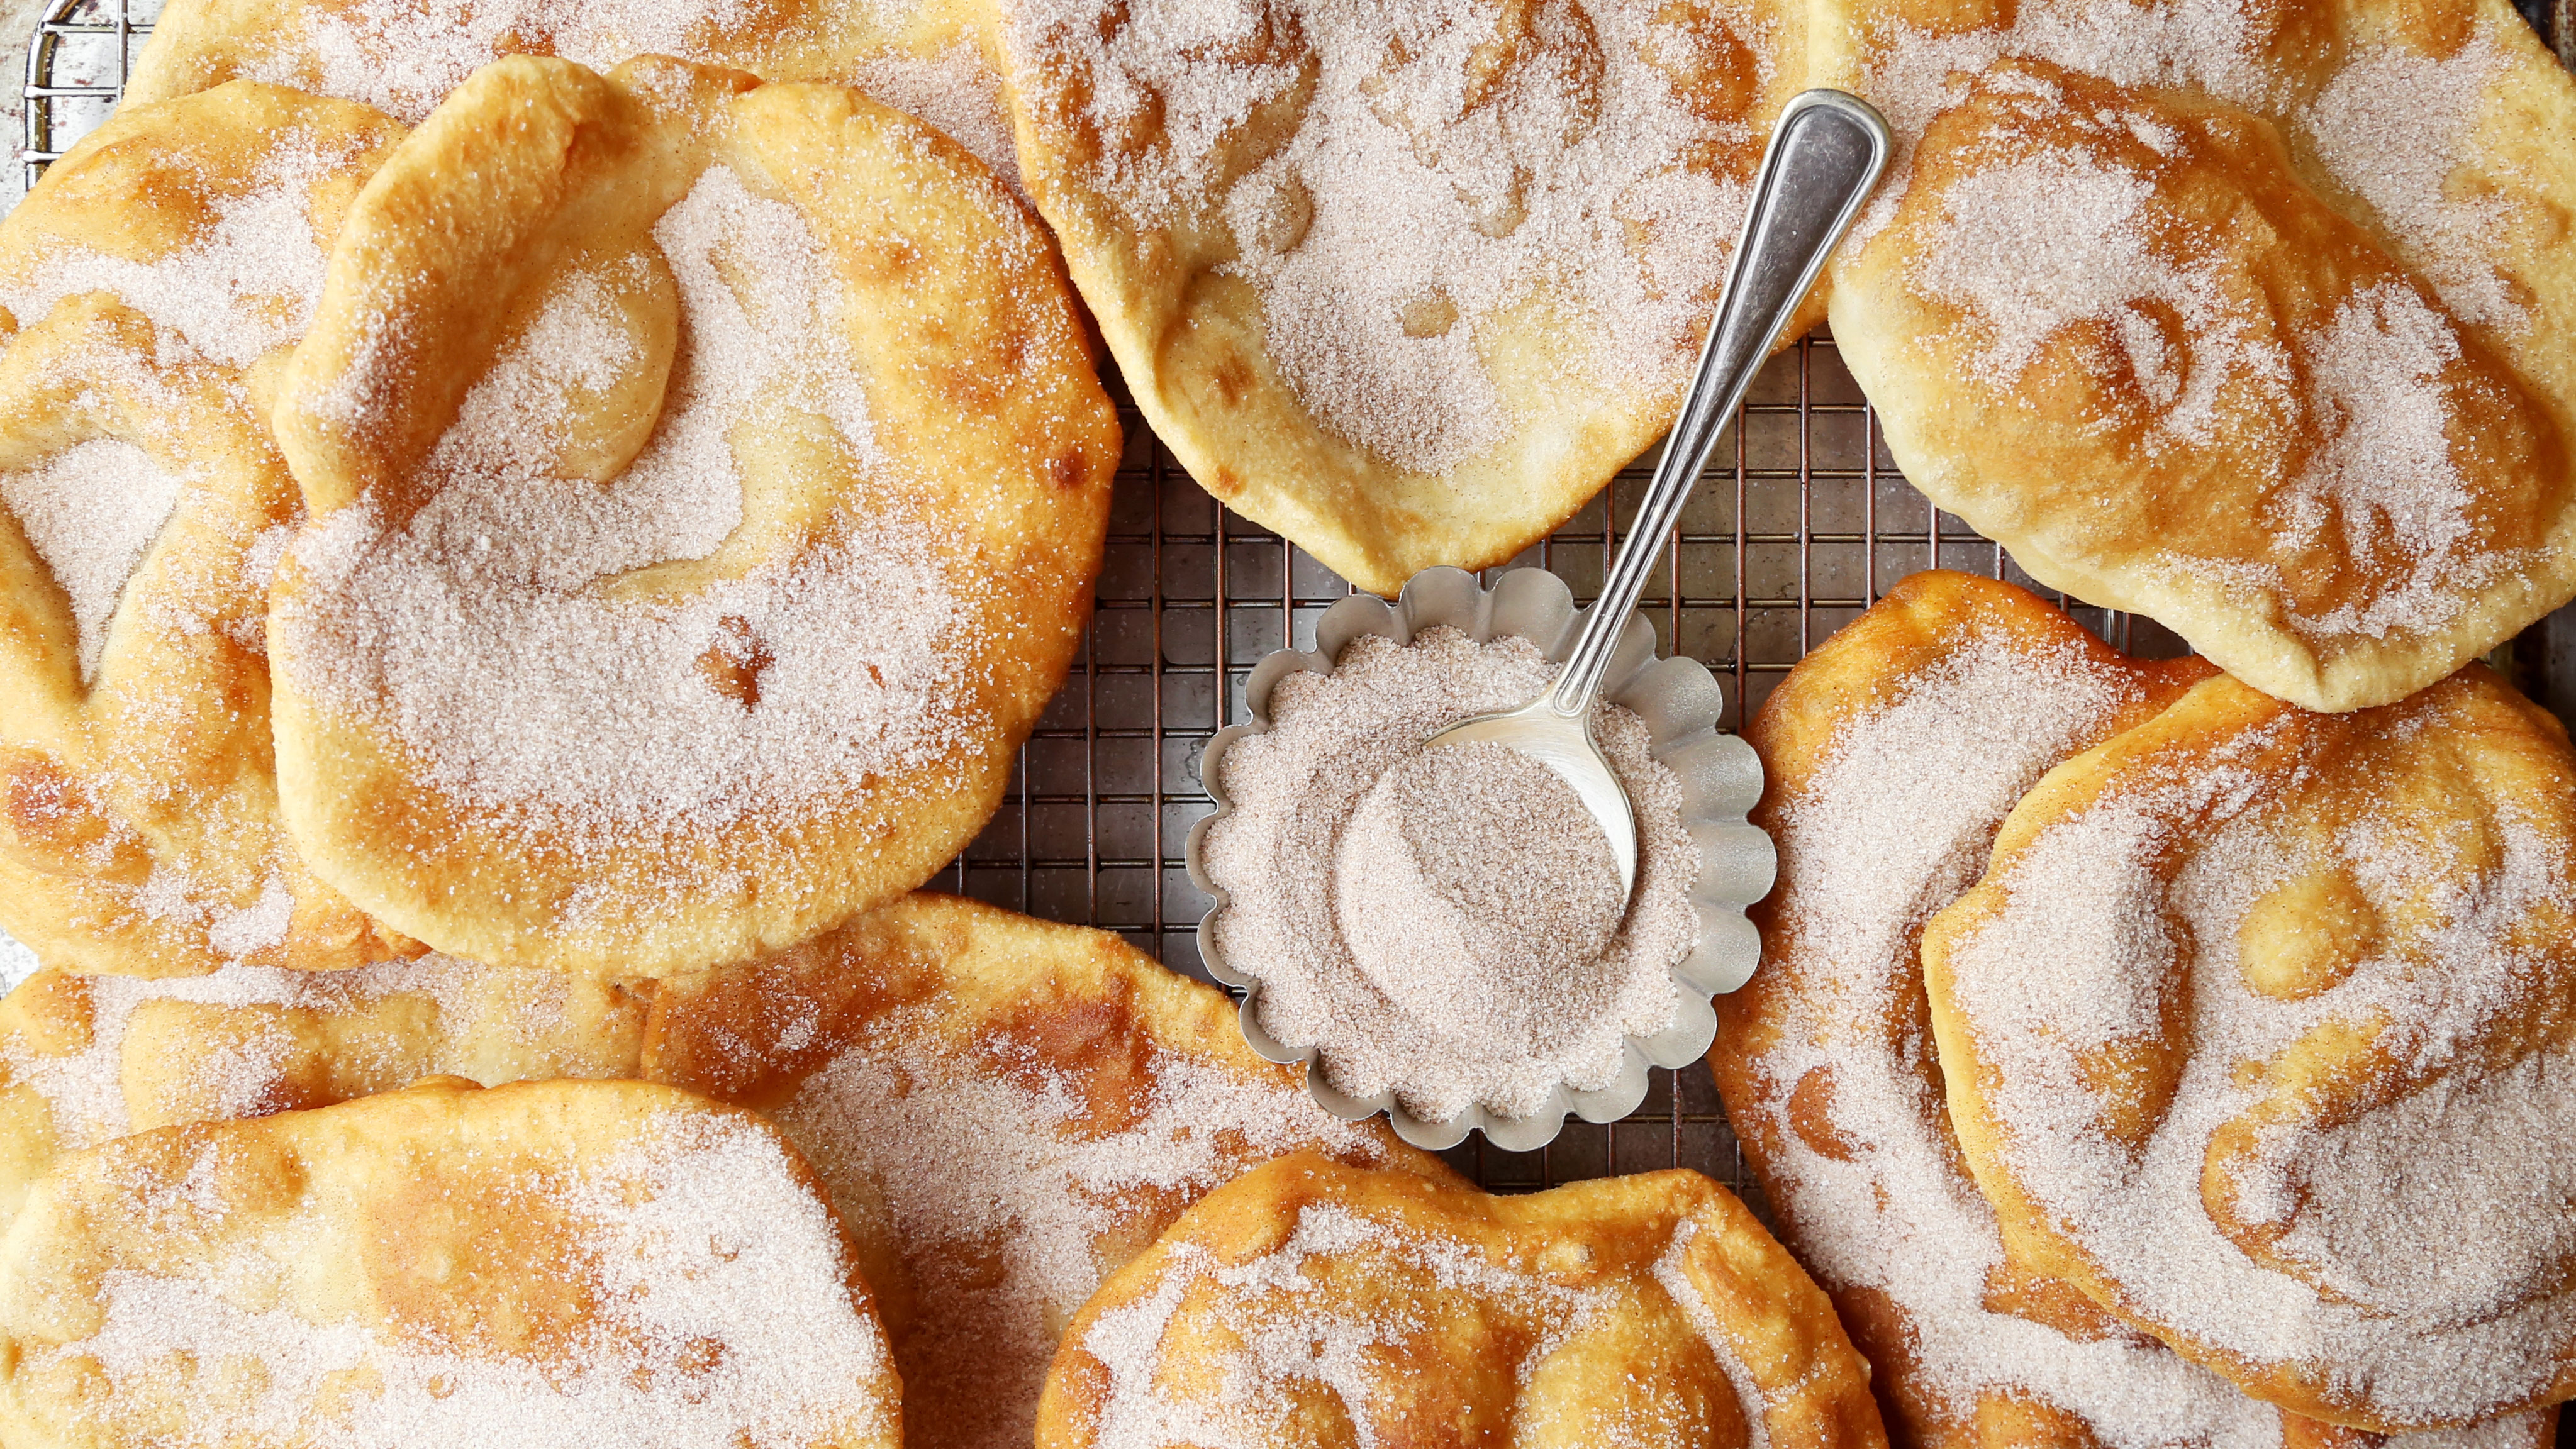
(2261, 1030)
(1313, 1303)
(87, 1059)
(547, 1263)
(1407, 283)
(932, 58)
(707, 482)
(2247, 317)
(149, 287)
(1892, 755)
(1031, 1103)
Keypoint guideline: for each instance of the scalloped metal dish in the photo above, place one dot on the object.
(1720, 777)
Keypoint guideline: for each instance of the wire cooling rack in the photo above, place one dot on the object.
(1801, 521)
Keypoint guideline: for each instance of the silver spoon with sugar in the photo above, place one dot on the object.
(1825, 156)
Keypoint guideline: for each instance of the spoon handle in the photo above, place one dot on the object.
(1825, 156)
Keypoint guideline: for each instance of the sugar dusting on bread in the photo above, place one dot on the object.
(1672, 1273)
(1893, 824)
(2106, 937)
(85, 1088)
(2043, 246)
(1355, 1311)
(495, 632)
(2386, 478)
(719, 1314)
(1551, 159)
(1012, 1185)
(242, 287)
(2393, 126)
(90, 511)
(954, 90)
(404, 56)
(1290, 1329)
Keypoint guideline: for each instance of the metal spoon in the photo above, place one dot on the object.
(1825, 157)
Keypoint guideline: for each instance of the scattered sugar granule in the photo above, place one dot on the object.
(1009, 1187)
(1892, 826)
(1367, 905)
(1294, 1329)
(2100, 911)
(483, 631)
(1559, 170)
(720, 1316)
(92, 511)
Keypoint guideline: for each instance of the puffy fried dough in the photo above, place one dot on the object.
(87, 1059)
(1312, 1303)
(1407, 283)
(2261, 1030)
(1893, 754)
(2248, 317)
(1031, 1103)
(547, 1263)
(149, 286)
(932, 58)
(707, 480)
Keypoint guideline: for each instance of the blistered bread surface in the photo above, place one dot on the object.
(707, 480)
(1311, 1303)
(150, 288)
(1024, 1105)
(2245, 316)
(86, 1059)
(563, 1263)
(929, 58)
(2258, 1029)
(1407, 283)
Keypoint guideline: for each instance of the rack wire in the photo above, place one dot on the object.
(77, 63)
(1800, 522)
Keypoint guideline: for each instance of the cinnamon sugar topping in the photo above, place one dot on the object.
(720, 1316)
(486, 632)
(1550, 162)
(1014, 1190)
(2371, 1268)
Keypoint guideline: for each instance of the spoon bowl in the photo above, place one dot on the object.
(1564, 744)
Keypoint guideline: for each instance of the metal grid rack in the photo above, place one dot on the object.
(1801, 521)
(77, 62)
